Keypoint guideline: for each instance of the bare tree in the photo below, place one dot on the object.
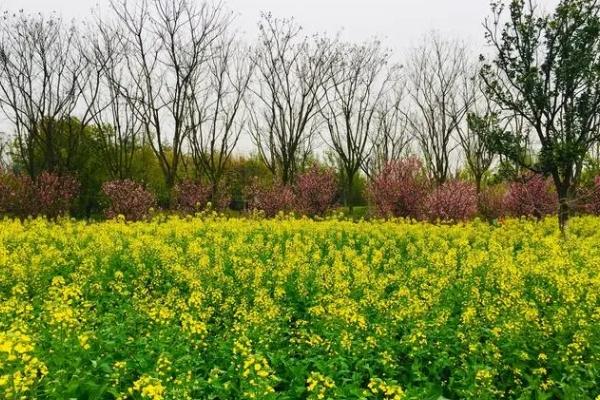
(478, 156)
(218, 114)
(392, 139)
(117, 128)
(439, 77)
(291, 73)
(167, 46)
(358, 81)
(4, 161)
(481, 119)
(43, 73)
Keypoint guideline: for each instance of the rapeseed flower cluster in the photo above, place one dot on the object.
(215, 307)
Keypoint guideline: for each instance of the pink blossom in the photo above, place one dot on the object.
(270, 199)
(316, 191)
(453, 201)
(128, 198)
(592, 199)
(531, 196)
(399, 189)
(49, 194)
(189, 197)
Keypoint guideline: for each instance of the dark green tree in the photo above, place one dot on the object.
(546, 69)
(75, 151)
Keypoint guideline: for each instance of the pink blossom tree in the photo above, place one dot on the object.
(399, 189)
(270, 199)
(55, 193)
(592, 203)
(454, 200)
(315, 190)
(189, 196)
(128, 198)
(532, 195)
(49, 194)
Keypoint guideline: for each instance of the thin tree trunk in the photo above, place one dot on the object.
(563, 191)
(478, 179)
(349, 202)
(563, 210)
(214, 193)
(170, 180)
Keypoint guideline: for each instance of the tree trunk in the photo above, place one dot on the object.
(478, 180)
(166, 199)
(285, 176)
(214, 193)
(170, 180)
(563, 209)
(349, 202)
(563, 215)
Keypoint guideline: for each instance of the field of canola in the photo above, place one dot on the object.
(215, 308)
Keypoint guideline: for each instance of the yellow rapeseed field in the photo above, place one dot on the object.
(217, 308)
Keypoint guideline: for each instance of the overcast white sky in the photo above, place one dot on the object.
(400, 23)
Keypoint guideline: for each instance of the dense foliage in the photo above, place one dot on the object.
(401, 189)
(232, 309)
(138, 115)
(545, 70)
(491, 202)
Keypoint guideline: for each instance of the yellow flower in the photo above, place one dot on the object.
(390, 391)
(319, 385)
(149, 387)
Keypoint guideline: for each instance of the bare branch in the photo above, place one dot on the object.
(358, 83)
(439, 77)
(289, 86)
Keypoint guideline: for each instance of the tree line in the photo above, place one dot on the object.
(170, 83)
